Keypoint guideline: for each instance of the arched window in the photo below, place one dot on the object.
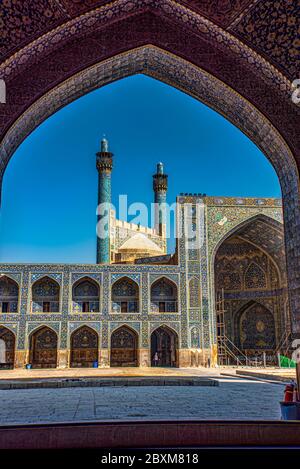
(85, 296)
(45, 296)
(164, 296)
(125, 296)
(255, 277)
(9, 293)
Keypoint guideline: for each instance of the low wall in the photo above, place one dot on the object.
(147, 434)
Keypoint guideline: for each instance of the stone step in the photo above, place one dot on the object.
(116, 381)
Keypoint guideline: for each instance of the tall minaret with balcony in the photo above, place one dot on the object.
(104, 164)
(160, 186)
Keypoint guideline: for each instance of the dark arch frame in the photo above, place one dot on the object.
(127, 355)
(43, 353)
(11, 349)
(84, 356)
(167, 350)
(232, 232)
(250, 97)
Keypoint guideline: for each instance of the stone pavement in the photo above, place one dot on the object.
(235, 398)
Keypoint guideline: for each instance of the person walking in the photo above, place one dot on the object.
(156, 359)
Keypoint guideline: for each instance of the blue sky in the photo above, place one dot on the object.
(49, 194)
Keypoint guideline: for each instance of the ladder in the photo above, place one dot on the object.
(223, 356)
(284, 346)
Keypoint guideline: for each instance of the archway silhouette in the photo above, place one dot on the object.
(181, 45)
(204, 86)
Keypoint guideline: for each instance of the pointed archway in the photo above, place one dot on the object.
(45, 295)
(43, 348)
(255, 329)
(85, 296)
(9, 295)
(250, 289)
(7, 348)
(123, 350)
(125, 296)
(84, 348)
(164, 296)
(164, 342)
(169, 46)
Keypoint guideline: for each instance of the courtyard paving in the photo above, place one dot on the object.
(237, 399)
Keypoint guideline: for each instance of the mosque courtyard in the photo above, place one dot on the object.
(235, 398)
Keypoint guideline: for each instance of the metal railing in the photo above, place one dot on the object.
(125, 306)
(164, 307)
(230, 354)
(9, 306)
(85, 306)
(45, 306)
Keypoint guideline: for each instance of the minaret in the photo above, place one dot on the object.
(104, 164)
(160, 186)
